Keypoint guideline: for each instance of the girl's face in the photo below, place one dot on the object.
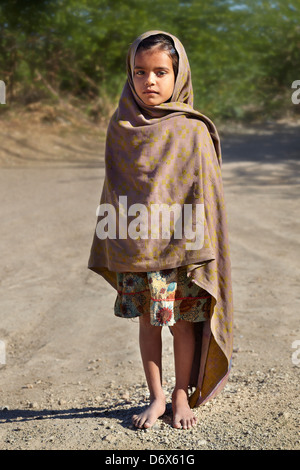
(153, 76)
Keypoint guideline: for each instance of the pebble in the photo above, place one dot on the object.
(125, 396)
(33, 404)
(110, 438)
(202, 442)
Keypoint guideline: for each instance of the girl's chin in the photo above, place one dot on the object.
(152, 102)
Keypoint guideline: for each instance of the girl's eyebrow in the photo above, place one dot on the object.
(156, 68)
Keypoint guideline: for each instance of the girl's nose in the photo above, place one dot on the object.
(150, 79)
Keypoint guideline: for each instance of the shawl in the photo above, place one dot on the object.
(166, 154)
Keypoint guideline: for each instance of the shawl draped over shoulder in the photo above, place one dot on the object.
(170, 154)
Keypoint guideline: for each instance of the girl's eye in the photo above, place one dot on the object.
(160, 73)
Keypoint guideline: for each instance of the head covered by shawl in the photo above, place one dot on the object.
(169, 154)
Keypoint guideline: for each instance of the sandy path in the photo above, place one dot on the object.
(73, 374)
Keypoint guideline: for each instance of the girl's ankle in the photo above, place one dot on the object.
(179, 392)
(159, 396)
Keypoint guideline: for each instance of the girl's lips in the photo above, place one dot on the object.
(149, 92)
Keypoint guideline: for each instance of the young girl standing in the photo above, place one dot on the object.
(159, 150)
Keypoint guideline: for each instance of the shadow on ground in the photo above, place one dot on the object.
(114, 412)
(264, 156)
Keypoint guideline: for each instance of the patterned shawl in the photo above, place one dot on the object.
(169, 154)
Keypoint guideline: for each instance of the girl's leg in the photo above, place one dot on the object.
(184, 347)
(151, 352)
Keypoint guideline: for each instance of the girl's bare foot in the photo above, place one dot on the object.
(147, 418)
(183, 417)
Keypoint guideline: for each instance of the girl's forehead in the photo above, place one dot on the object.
(152, 55)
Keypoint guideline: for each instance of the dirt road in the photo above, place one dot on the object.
(72, 376)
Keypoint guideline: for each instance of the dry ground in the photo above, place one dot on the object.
(73, 374)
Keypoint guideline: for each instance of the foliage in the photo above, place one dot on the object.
(244, 55)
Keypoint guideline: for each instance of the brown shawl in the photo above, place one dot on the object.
(169, 154)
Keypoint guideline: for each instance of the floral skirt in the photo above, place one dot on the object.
(169, 295)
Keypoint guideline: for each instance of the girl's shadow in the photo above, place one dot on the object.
(118, 412)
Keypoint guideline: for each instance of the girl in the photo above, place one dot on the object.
(159, 150)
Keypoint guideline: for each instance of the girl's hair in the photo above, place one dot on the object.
(164, 43)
